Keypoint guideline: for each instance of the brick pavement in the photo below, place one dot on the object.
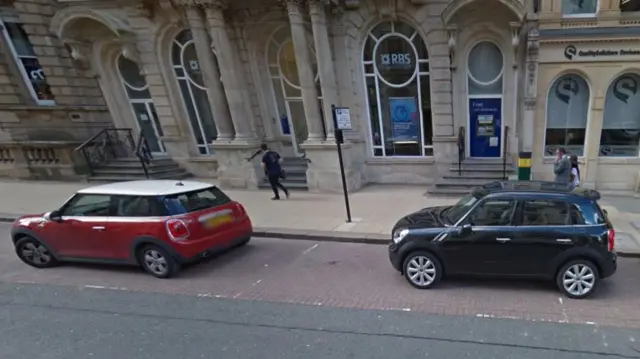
(375, 209)
(348, 275)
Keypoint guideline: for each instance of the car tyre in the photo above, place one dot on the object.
(243, 242)
(578, 279)
(35, 253)
(158, 262)
(422, 269)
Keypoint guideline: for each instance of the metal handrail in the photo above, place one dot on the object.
(461, 149)
(144, 153)
(114, 143)
(505, 151)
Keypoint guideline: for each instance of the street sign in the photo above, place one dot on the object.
(343, 118)
(342, 121)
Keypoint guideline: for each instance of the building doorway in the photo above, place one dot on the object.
(141, 103)
(283, 71)
(485, 73)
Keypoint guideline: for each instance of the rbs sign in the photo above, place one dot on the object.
(395, 60)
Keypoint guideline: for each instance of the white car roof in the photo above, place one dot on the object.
(147, 188)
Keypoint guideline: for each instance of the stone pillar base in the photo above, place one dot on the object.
(234, 170)
(445, 153)
(323, 174)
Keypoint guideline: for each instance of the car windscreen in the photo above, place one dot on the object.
(193, 201)
(455, 212)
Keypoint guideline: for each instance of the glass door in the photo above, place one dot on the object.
(149, 125)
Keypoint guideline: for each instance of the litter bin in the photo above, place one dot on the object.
(524, 166)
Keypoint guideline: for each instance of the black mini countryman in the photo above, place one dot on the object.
(525, 229)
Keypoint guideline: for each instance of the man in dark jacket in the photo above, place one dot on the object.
(271, 165)
(562, 167)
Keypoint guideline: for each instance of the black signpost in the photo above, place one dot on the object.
(342, 121)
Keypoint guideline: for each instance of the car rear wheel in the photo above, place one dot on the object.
(35, 254)
(422, 270)
(578, 279)
(158, 262)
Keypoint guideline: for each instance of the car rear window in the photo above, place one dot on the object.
(193, 201)
(600, 215)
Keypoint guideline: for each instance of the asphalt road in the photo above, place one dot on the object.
(348, 276)
(51, 322)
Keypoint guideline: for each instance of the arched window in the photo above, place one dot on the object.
(186, 67)
(485, 73)
(396, 67)
(620, 135)
(137, 90)
(567, 111)
(283, 71)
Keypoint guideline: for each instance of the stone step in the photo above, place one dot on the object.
(489, 177)
(137, 171)
(132, 177)
(287, 184)
(448, 191)
(483, 161)
(293, 178)
(461, 182)
(483, 169)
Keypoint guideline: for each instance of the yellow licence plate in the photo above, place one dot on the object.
(217, 221)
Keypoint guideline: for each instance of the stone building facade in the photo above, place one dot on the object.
(207, 81)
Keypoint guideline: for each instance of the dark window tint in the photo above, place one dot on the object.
(545, 213)
(493, 213)
(576, 215)
(88, 205)
(195, 201)
(135, 206)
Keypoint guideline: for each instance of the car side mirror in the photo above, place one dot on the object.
(466, 229)
(54, 216)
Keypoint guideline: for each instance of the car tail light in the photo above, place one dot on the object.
(177, 230)
(611, 240)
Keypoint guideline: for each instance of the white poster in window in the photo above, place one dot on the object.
(493, 141)
(144, 117)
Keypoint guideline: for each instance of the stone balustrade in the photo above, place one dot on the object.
(46, 160)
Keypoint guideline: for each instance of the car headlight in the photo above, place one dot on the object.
(398, 235)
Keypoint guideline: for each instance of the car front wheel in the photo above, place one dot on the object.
(34, 253)
(422, 270)
(578, 279)
(158, 262)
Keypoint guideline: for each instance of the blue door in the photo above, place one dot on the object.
(485, 124)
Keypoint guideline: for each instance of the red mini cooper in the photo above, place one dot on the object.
(157, 224)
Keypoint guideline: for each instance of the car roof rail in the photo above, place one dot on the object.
(535, 186)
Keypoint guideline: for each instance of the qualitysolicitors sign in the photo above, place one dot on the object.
(587, 53)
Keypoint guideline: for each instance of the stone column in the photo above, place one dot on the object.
(295, 9)
(530, 91)
(235, 85)
(325, 62)
(210, 73)
(591, 154)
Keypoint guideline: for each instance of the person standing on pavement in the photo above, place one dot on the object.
(575, 171)
(271, 165)
(562, 166)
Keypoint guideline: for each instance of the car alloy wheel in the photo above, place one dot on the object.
(158, 262)
(35, 253)
(422, 270)
(578, 279)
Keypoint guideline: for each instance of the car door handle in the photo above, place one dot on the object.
(503, 239)
(98, 228)
(563, 240)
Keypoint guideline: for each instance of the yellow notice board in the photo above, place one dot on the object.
(524, 162)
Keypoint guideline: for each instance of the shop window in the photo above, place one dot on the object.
(629, 5)
(579, 8)
(27, 62)
(283, 70)
(186, 67)
(620, 135)
(567, 111)
(396, 67)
